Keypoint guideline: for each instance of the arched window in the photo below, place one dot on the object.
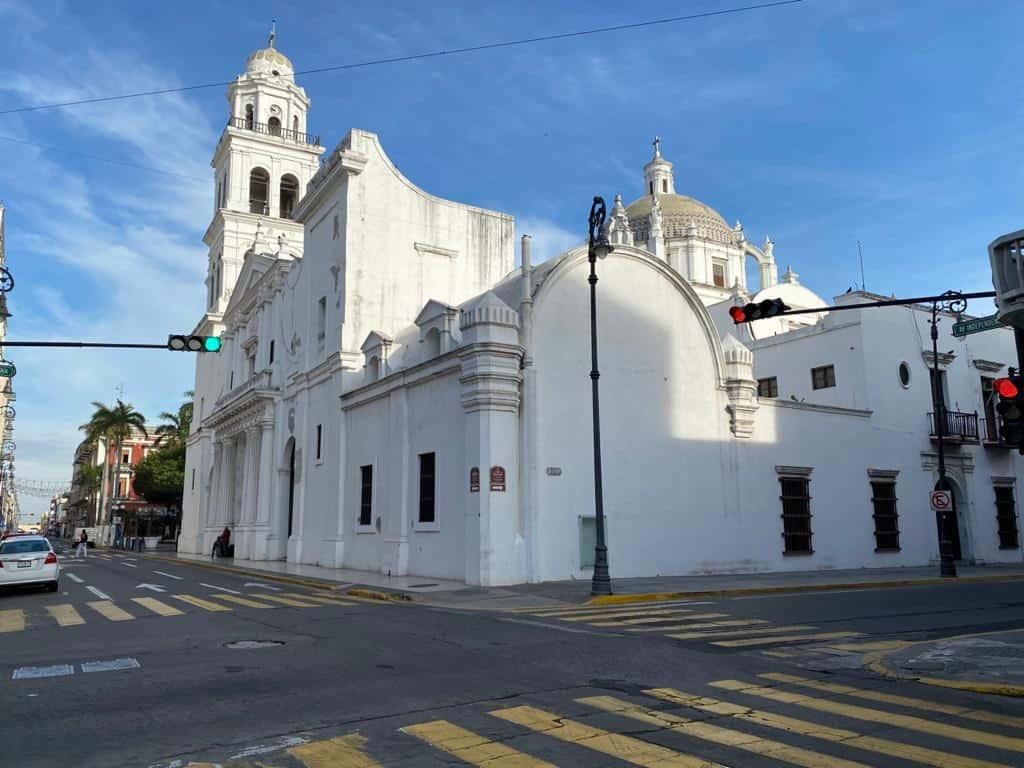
(248, 116)
(664, 186)
(650, 186)
(274, 126)
(289, 195)
(259, 190)
(295, 124)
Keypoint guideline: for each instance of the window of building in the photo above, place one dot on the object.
(1006, 517)
(319, 440)
(650, 187)
(718, 274)
(193, 479)
(427, 510)
(904, 373)
(988, 404)
(295, 125)
(768, 387)
(231, 381)
(271, 351)
(126, 456)
(366, 495)
(251, 360)
(122, 488)
(664, 186)
(823, 377)
(224, 191)
(796, 514)
(216, 199)
(887, 529)
(321, 319)
(274, 126)
(938, 385)
(248, 116)
(259, 189)
(289, 195)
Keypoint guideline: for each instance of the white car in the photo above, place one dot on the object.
(28, 560)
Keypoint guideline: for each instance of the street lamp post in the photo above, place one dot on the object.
(597, 247)
(951, 301)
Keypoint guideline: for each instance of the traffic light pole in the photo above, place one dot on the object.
(947, 565)
(99, 344)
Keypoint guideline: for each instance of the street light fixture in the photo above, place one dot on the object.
(598, 247)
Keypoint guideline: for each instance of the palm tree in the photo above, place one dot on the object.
(114, 425)
(176, 426)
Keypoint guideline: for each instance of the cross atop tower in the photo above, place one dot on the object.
(657, 146)
(273, 33)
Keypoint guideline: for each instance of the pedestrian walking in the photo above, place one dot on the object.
(83, 545)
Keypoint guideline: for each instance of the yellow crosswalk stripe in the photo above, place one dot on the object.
(198, 602)
(874, 645)
(65, 615)
(318, 598)
(908, 722)
(289, 601)
(561, 609)
(744, 642)
(12, 620)
(625, 748)
(900, 701)
(471, 748)
(157, 607)
(779, 654)
(656, 619)
(699, 625)
(108, 610)
(635, 612)
(743, 632)
(241, 600)
(719, 735)
(341, 752)
(924, 755)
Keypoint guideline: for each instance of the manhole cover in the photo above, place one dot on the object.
(253, 643)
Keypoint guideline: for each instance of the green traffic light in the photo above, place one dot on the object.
(212, 344)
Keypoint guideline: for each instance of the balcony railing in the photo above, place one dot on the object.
(274, 130)
(993, 437)
(958, 426)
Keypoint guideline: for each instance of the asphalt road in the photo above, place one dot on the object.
(344, 678)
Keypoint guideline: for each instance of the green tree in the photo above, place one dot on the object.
(114, 425)
(160, 477)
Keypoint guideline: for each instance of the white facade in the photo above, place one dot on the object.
(392, 396)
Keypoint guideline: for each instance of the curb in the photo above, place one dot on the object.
(745, 591)
(875, 662)
(282, 579)
(376, 594)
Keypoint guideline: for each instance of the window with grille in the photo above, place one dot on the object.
(796, 514)
(768, 387)
(366, 495)
(887, 530)
(823, 377)
(427, 510)
(1006, 517)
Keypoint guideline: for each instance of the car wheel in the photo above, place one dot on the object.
(53, 586)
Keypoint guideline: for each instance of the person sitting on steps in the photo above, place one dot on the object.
(222, 546)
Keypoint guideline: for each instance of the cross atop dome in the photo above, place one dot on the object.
(273, 33)
(657, 147)
(658, 173)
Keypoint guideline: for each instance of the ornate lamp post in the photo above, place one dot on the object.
(951, 301)
(598, 248)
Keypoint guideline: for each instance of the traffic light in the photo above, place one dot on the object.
(1011, 409)
(182, 343)
(757, 310)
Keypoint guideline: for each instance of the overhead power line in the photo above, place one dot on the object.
(98, 158)
(420, 56)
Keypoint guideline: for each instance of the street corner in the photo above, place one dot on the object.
(982, 663)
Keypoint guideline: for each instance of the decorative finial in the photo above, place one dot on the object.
(273, 33)
(657, 146)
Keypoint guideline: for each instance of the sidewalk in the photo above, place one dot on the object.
(986, 663)
(456, 594)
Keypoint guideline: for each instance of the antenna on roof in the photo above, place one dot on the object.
(861, 255)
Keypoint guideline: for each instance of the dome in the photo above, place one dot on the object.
(269, 61)
(677, 212)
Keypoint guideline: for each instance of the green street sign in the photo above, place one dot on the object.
(7, 370)
(976, 326)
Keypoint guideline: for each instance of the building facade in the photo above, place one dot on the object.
(393, 395)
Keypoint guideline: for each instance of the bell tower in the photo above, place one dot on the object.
(658, 179)
(262, 164)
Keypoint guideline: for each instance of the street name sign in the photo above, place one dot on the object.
(973, 326)
(941, 500)
(7, 370)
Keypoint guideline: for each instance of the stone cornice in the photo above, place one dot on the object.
(436, 367)
(833, 409)
(436, 250)
(988, 366)
(944, 359)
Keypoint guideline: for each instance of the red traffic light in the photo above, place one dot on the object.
(738, 315)
(1005, 388)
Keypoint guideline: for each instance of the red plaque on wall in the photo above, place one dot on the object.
(497, 478)
(474, 480)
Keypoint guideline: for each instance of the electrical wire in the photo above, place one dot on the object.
(100, 159)
(421, 56)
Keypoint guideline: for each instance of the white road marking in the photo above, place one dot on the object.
(58, 670)
(109, 666)
(169, 575)
(262, 585)
(100, 595)
(130, 565)
(219, 589)
(276, 744)
(559, 627)
(154, 587)
(76, 579)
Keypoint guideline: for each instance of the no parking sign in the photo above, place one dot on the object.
(941, 501)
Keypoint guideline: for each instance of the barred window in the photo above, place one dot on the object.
(427, 510)
(823, 377)
(768, 387)
(887, 530)
(796, 514)
(366, 495)
(1006, 517)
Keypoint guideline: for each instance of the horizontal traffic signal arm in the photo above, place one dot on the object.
(739, 317)
(210, 344)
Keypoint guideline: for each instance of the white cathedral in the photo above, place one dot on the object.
(394, 395)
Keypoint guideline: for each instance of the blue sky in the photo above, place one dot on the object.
(820, 124)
